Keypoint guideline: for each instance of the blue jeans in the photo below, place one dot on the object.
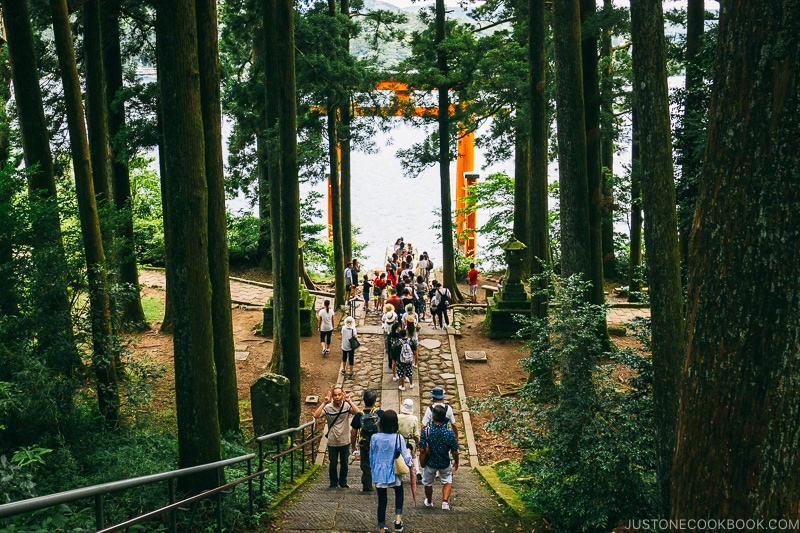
(382, 497)
(338, 454)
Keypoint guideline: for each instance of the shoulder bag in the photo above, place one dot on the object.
(400, 466)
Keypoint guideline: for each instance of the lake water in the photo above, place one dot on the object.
(386, 205)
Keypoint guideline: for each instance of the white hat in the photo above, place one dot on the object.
(408, 406)
(349, 322)
(390, 317)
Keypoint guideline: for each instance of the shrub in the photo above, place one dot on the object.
(590, 436)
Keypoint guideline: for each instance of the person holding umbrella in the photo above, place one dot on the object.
(384, 447)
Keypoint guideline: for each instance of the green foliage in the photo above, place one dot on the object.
(16, 475)
(148, 218)
(591, 457)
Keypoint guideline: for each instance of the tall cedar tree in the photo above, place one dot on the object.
(96, 111)
(345, 117)
(9, 297)
(635, 262)
(607, 152)
(539, 239)
(336, 186)
(187, 248)
(660, 228)
(443, 114)
(56, 338)
(221, 316)
(575, 241)
(285, 190)
(736, 452)
(103, 359)
(130, 307)
(692, 109)
(591, 100)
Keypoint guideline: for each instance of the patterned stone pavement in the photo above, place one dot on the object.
(315, 507)
(473, 506)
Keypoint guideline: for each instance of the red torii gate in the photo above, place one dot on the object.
(465, 160)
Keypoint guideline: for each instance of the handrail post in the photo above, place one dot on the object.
(261, 467)
(278, 464)
(99, 520)
(173, 514)
(250, 485)
(291, 457)
(219, 501)
(303, 451)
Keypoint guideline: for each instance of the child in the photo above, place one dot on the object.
(365, 290)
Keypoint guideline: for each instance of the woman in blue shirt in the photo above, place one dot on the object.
(384, 447)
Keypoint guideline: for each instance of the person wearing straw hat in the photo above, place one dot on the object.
(348, 353)
(387, 320)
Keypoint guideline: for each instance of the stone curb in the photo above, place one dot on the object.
(530, 520)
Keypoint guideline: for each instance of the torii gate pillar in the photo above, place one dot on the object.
(465, 162)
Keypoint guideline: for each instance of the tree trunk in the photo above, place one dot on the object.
(279, 29)
(264, 209)
(96, 111)
(591, 99)
(736, 453)
(635, 262)
(130, 306)
(103, 359)
(522, 182)
(539, 239)
(346, 180)
(193, 340)
(221, 316)
(607, 153)
(344, 144)
(168, 322)
(9, 297)
(660, 229)
(692, 114)
(339, 260)
(575, 240)
(448, 246)
(56, 337)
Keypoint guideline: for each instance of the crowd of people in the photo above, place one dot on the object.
(384, 438)
(406, 295)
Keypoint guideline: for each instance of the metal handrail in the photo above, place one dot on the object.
(97, 491)
(51, 500)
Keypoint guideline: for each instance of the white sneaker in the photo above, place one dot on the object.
(428, 503)
(445, 506)
(401, 387)
(395, 378)
(411, 385)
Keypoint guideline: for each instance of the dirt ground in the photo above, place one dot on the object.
(501, 373)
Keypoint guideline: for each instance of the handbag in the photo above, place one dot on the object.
(423, 453)
(400, 466)
(354, 343)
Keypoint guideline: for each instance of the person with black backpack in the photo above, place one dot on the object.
(441, 297)
(363, 426)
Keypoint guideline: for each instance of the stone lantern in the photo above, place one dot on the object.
(512, 299)
(513, 289)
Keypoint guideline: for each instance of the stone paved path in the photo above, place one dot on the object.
(315, 507)
(474, 509)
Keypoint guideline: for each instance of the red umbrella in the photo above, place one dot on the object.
(413, 476)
